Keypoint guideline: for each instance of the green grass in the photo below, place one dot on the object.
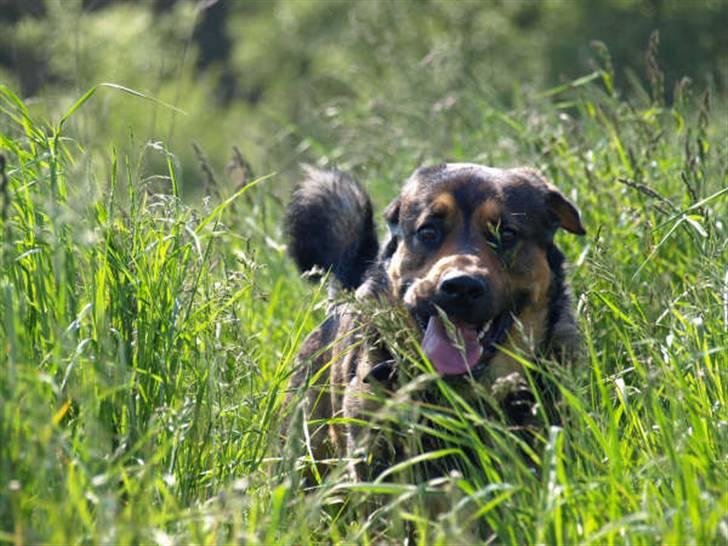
(148, 342)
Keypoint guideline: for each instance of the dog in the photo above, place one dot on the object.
(470, 256)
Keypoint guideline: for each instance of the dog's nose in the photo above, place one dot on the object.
(463, 288)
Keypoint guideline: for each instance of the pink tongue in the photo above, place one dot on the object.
(444, 354)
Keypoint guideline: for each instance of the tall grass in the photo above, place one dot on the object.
(148, 344)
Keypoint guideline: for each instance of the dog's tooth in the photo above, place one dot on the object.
(485, 329)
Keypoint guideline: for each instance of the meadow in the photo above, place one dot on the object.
(149, 316)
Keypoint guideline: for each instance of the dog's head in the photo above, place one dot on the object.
(470, 243)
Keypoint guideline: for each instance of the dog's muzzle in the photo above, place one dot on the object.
(462, 322)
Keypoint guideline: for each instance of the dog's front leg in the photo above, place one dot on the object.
(369, 446)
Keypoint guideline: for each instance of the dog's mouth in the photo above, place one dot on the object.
(456, 348)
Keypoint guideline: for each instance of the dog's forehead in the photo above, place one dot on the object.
(459, 176)
(471, 184)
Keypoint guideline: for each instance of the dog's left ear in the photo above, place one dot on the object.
(564, 211)
(391, 215)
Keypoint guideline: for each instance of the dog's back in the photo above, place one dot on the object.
(330, 226)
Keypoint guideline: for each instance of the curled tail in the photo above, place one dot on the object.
(329, 224)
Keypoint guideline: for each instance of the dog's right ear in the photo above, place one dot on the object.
(391, 215)
(564, 211)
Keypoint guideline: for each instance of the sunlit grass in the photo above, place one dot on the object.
(148, 344)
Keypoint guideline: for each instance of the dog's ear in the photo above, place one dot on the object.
(391, 215)
(565, 212)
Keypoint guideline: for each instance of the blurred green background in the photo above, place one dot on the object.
(355, 83)
(150, 340)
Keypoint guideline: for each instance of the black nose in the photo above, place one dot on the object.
(458, 287)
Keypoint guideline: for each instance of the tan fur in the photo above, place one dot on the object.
(487, 214)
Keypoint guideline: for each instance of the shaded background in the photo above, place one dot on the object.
(150, 341)
(356, 83)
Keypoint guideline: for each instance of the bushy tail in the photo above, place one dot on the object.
(329, 224)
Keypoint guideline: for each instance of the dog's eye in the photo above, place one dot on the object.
(508, 236)
(428, 234)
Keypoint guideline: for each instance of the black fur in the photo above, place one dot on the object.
(559, 299)
(561, 332)
(346, 361)
(330, 226)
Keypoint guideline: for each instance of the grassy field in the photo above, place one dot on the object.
(148, 339)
